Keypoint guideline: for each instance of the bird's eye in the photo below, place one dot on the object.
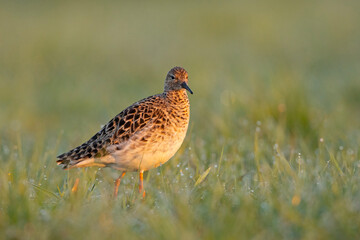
(172, 77)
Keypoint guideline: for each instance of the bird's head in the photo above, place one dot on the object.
(177, 79)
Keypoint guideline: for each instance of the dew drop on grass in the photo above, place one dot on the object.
(32, 196)
(350, 151)
(258, 123)
(44, 215)
(264, 206)
(186, 169)
(190, 176)
(158, 173)
(6, 149)
(178, 165)
(341, 148)
(321, 140)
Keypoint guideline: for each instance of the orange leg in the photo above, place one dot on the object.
(117, 183)
(141, 183)
(75, 187)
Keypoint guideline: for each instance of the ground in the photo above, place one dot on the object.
(272, 150)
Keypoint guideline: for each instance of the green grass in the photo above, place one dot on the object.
(274, 118)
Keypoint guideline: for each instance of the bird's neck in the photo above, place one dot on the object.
(177, 97)
(179, 107)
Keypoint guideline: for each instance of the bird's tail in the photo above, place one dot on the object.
(84, 156)
(74, 157)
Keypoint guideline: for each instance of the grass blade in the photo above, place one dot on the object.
(45, 191)
(202, 177)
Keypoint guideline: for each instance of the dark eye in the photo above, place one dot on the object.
(172, 77)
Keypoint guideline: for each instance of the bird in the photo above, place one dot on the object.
(143, 136)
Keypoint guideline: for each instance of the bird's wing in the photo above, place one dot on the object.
(118, 130)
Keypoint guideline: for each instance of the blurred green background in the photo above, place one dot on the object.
(275, 82)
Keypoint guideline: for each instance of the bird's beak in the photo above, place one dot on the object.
(184, 85)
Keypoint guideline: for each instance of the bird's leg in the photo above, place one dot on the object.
(75, 187)
(117, 183)
(141, 183)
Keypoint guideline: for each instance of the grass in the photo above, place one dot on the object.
(272, 150)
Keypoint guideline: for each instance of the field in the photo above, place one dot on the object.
(272, 150)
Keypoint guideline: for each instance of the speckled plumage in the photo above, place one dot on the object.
(141, 137)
